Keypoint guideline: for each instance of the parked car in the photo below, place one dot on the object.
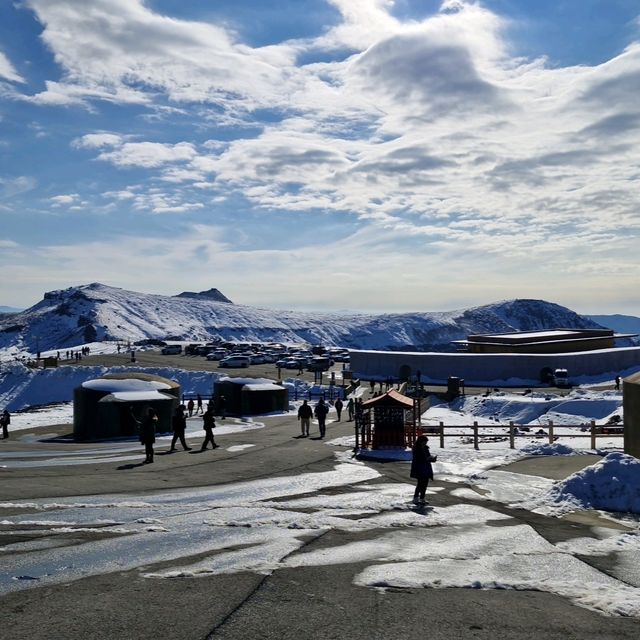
(561, 378)
(257, 358)
(171, 349)
(318, 363)
(235, 361)
(218, 354)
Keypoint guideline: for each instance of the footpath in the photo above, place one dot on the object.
(319, 602)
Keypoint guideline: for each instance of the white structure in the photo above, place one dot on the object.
(490, 368)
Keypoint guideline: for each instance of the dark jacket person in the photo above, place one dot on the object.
(148, 433)
(421, 468)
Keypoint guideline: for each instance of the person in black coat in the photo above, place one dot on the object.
(208, 424)
(338, 405)
(320, 412)
(148, 433)
(421, 468)
(5, 421)
(179, 424)
(305, 414)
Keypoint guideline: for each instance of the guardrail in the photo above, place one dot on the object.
(516, 431)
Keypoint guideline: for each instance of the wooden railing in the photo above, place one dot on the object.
(442, 431)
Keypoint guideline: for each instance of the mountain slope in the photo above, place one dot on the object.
(619, 323)
(87, 313)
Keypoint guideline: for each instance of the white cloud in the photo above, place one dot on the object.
(98, 140)
(120, 50)
(65, 199)
(10, 187)
(148, 154)
(7, 70)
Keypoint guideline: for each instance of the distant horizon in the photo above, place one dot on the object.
(323, 154)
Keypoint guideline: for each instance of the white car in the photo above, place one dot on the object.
(235, 361)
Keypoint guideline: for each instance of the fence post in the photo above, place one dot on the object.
(593, 434)
(550, 431)
(512, 436)
(442, 435)
(475, 435)
(355, 422)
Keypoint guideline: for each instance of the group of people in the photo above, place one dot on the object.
(148, 428)
(320, 411)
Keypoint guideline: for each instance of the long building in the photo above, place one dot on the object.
(549, 341)
(491, 368)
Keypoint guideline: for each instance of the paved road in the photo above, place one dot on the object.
(306, 602)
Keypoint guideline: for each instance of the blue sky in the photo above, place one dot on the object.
(323, 154)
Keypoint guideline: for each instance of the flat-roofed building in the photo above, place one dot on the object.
(548, 341)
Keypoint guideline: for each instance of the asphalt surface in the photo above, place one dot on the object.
(315, 602)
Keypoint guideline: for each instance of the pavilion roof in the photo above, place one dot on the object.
(391, 398)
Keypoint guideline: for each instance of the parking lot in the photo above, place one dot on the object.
(153, 358)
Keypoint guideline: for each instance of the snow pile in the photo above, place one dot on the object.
(612, 484)
(22, 387)
(534, 409)
(555, 449)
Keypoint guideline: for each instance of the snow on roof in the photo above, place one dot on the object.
(263, 387)
(534, 334)
(136, 396)
(244, 381)
(612, 484)
(129, 384)
(390, 397)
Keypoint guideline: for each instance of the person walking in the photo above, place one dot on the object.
(222, 407)
(179, 424)
(617, 383)
(190, 406)
(148, 433)
(421, 468)
(208, 424)
(199, 408)
(338, 405)
(350, 408)
(320, 412)
(305, 414)
(5, 421)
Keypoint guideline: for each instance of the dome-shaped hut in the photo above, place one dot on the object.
(111, 406)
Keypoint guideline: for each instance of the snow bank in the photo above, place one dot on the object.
(22, 387)
(612, 484)
(555, 449)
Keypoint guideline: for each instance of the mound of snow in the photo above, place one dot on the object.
(555, 449)
(612, 484)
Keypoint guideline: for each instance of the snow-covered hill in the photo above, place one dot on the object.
(95, 312)
(620, 323)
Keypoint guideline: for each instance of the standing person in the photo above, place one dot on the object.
(304, 415)
(421, 468)
(179, 424)
(208, 424)
(617, 383)
(320, 412)
(199, 404)
(222, 407)
(350, 408)
(190, 406)
(131, 424)
(148, 433)
(338, 405)
(5, 421)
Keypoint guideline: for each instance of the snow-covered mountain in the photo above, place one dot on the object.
(619, 323)
(95, 312)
